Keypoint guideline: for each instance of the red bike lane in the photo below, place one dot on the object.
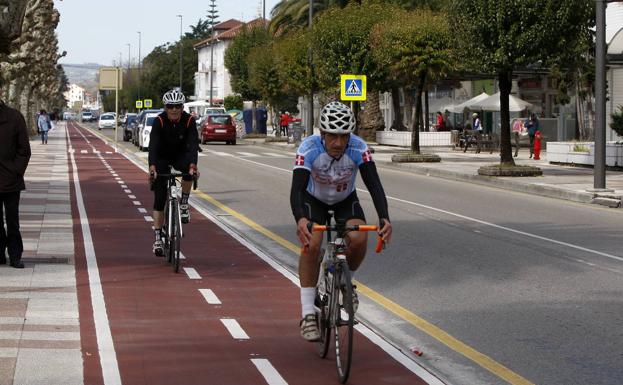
(163, 325)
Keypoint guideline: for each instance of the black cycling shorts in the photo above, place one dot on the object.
(316, 211)
(163, 166)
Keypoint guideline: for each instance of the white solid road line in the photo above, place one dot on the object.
(275, 155)
(106, 347)
(220, 153)
(268, 371)
(234, 329)
(570, 245)
(210, 297)
(192, 273)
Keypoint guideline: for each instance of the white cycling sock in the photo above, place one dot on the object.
(308, 294)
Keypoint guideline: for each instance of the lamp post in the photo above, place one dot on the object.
(599, 176)
(139, 64)
(180, 16)
(212, 16)
(310, 126)
(129, 57)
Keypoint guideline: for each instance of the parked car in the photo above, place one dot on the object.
(106, 121)
(135, 127)
(145, 130)
(218, 127)
(129, 121)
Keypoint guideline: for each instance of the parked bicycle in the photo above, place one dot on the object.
(172, 227)
(334, 301)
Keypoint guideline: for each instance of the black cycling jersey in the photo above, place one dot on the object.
(173, 140)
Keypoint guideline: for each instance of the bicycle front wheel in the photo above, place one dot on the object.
(169, 228)
(175, 242)
(324, 320)
(344, 321)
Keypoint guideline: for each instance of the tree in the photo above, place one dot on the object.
(291, 14)
(415, 47)
(30, 71)
(237, 63)
(341, 45)
(497, 37)
(11, 23)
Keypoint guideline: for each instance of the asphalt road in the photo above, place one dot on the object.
(520, 289)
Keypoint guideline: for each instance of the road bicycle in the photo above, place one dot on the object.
(334, 301)
(172, 227)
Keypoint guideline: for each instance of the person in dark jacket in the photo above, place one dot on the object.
(14, 157)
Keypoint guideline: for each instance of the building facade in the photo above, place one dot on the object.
(75, 95)
(211, 61)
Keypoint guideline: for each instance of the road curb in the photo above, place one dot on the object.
(530, 188)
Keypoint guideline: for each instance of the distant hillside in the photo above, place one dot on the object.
(84, 75)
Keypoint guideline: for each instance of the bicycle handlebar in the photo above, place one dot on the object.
(379, 245)
(177, 175)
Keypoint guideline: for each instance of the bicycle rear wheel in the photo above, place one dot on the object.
(175, 242)
(344, 321)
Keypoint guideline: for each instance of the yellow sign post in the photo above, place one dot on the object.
(353, 87)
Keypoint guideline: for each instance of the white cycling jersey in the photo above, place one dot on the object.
(332, 180)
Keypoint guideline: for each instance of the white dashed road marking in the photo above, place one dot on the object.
(210, 297)
(234, 329)
(268, 371)
(192, 273)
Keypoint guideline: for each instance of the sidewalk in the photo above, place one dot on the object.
(39, 325)
(558, 181)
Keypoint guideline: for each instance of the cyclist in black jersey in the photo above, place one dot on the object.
(172, 143)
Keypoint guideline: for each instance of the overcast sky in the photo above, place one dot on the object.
(97, 31)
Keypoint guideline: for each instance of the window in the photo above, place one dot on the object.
(220, 119)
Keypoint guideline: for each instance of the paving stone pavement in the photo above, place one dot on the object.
(39, 323)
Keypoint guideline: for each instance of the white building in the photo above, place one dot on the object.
(221, 87)
(614, 77)
(74, 94)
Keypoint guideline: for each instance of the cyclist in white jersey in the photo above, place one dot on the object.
(324, 176)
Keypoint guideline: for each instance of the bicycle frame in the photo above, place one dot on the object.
(335, 294)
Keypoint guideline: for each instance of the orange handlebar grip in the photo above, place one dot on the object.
(379, 245)
(319, 228)
(368, 228)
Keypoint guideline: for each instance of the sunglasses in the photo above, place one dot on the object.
(174, 106)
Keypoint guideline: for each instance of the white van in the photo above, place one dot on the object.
(145, 130)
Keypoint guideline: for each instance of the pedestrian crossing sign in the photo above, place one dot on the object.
(147, 103)
(139, 104)
(353, 87)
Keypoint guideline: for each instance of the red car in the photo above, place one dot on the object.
(219, 127)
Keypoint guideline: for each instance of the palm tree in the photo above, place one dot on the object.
(290, 14)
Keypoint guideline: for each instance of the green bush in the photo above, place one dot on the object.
(233, 102)
(617, 121)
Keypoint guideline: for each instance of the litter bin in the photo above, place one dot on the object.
(261, 117)
(295, 128)
(247, 116)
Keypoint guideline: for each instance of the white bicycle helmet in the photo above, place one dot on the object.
(337, 118)
(173, 97)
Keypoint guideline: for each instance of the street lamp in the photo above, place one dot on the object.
(139, 64)
(180, 16)
(129, 57)
(310, 126)
(212, 16)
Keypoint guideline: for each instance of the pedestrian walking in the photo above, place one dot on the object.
(441, 124)
(44, 124)
(532, 126)
(14, 157)
(477, 128)
(518, 131)
(283, 123)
